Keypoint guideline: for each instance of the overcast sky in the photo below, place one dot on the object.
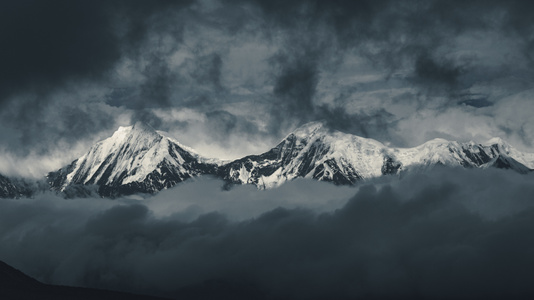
(231, 78)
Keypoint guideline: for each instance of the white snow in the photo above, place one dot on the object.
(367, 156)
(133, 152)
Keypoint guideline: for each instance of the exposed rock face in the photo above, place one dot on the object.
(11, 189)
(135, 159)
(313, 151)
(139, 159)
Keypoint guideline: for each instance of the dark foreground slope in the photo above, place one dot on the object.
(16, 285)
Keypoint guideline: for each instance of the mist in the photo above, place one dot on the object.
(231, 78)
(449, 233)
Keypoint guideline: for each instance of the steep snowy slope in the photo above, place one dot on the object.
(311, 151)
(314, 151)
(135, 159)
(139, 159)
(494, 153)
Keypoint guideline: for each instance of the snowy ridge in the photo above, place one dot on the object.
(140, 159)
(314, 151)
(526, 159)
(135, 159)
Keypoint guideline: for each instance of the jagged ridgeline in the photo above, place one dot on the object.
(136, 159)
(10, 188)
(139, 159)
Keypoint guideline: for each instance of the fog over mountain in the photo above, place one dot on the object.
(449, 233)
(139, 159)
(232, 78)
(365, 205)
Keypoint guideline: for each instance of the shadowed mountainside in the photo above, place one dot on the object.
(16, 285)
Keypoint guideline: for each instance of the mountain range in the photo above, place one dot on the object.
(11, 188)
(139, 159)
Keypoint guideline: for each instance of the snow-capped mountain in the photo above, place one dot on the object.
(135, 159)
(139, 159)
(314, 151)
(11, 189)
(310, 151)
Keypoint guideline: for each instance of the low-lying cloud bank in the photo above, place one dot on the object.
(447, 234)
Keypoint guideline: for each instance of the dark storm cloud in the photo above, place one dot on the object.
(395, 35)
(391, 34)
(49, 124)
(54, 58)
(294, 89)
(374, 124)
(196, 84)
(476, 102)
(428, 71)
(225, 123)
(208, 71)
(448, 234)
(68, 40)
(155, 92)
(437, 239)
(142, 56)
(204, 81)
(46, 44)
(519, 20)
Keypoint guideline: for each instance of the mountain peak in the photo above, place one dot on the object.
(139, 159)
(309, 129)
(139, 133)
(496, 141)
(499, 143)
(134, 159)
(143, 127)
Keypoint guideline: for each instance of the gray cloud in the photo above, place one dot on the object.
(390, 70)
(58, 59)
(451, 234)
(429, 71)
(373, 124)
(49, 44)
(225, 123)
(394, 36)
(294, 89)
(208, 71)
(299, 59)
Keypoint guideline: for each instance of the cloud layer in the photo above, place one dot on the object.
(231, 78)
(448, 234)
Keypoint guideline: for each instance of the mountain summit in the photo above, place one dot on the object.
(315, 151)
(134, 159)
(140, 159)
